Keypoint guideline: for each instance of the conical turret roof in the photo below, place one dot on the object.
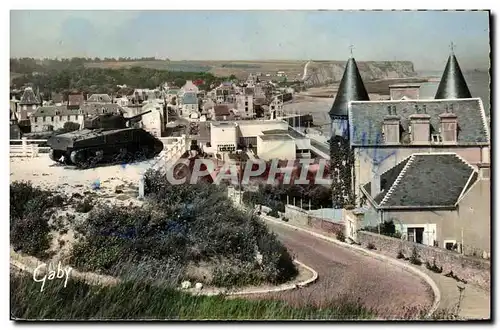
(452, 84)
(351, 88)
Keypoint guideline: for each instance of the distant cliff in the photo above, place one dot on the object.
(320, 73)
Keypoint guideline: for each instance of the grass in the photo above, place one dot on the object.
(129, 300)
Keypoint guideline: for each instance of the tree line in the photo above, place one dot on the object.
(104, 80)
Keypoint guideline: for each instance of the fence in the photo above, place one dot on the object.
(27, 148)
(173, 149)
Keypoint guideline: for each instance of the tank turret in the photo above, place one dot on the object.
(111, 121)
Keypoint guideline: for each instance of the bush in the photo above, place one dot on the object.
(371, 246)
(85, 206)
(400, 255)
(30, 212)
(340, 235)
(182, 224)
(414, 257)
(433, 267)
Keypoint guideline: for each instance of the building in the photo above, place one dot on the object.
(15, 130)
(244, 105)
(383, 133)
(271, 139)
(154, 121)
(404, 91)
(54, 117)
(75, 100)
(276, 146)
(99, 98)
(436, 199)
(224, 136)
(189, 87)
(189, 105)
(221, 112)
(225, 93)
(28, 103)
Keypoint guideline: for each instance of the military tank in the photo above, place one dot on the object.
(107, 138)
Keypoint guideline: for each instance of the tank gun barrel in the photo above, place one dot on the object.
(137, 116)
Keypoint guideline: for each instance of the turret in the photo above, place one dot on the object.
(111, 121)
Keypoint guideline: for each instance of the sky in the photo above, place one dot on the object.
(422, 37)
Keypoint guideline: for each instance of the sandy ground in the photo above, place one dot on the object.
(45, 173)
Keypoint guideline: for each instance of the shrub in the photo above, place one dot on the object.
(433, 267)
(414, 257)
(182, 224)
(85, 206)
(400, 255)
(30, 211)
(340, 235)
(371, 246)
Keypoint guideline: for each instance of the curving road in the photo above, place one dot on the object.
(390, 291)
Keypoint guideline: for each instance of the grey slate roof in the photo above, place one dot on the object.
(99, 98)
(50, 111)
(452, 84)
(96, 108)
(424, 180)
(366, 119)
(189, 98)
(29, 97)
(351, 88)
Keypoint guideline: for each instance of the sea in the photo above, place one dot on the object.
(478, 82)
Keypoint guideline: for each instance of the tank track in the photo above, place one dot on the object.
(91, 157)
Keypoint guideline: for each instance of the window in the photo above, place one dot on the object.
(436, 138)
(415, 234)
(450, 244)
(68, 117)
(449, 131)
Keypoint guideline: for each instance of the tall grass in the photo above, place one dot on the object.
(133, 300)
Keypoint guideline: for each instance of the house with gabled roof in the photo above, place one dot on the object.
(28, 103)
(436, 199)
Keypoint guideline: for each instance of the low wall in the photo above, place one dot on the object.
(298, 216)
(325, 225)
(473, 270)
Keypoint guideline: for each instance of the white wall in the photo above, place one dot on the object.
(255, 128)
(152, 122)
(221, 135)
(39, 125)
(276, 149)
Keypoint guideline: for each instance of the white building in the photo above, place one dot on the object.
(188, 105)
(244, 105)
(274, 139)
(189, 87)
(224, 136)
(153, 121)
(54, 117)
(276, 146)
(276, 107)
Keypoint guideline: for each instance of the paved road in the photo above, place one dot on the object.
(378, 285)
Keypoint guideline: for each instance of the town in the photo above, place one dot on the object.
(374, 174)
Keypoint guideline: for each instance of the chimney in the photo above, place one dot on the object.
(375, 182)
(448, 125)
(420, 126)
(391, 126)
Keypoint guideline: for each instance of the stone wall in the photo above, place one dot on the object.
(298, 216)
(325, 225)
(473, 270)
